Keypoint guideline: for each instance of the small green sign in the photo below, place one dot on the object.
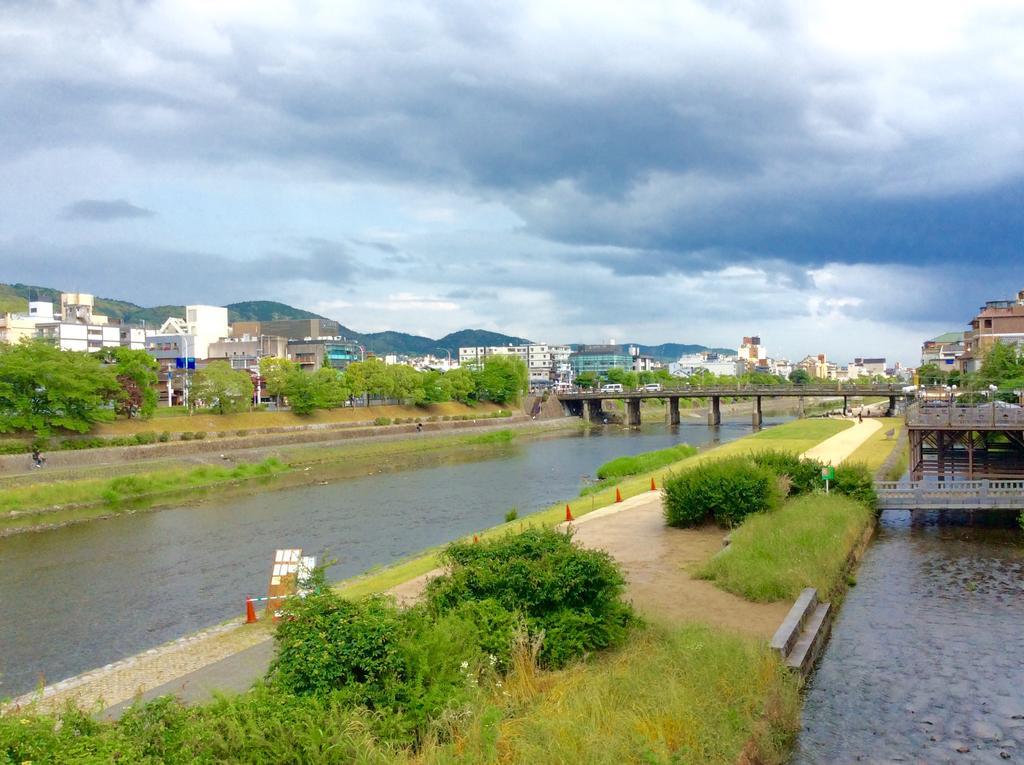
(828, 473)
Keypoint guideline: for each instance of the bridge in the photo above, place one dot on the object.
(950, 495)
(588, 404)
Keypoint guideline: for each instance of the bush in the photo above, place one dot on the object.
(241, 433)
(804, 474)
(164, 437)
(569, 594)
(15, 447)
(855, 481)
(186, 436)
(382, 421)
(145, 437)
(511, 514)
(727, 490)
(400, 664)
(199, 435)
(446, 418)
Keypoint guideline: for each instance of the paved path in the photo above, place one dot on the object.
(840, 446)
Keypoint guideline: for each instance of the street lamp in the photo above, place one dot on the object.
(446, 350)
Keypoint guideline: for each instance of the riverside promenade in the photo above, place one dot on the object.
(654, 557)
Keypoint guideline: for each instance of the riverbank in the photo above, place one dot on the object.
(48, 502)
(404, 580)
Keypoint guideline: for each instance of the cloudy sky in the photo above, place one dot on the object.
(846, 177)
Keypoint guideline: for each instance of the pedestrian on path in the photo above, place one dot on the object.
(37, 458)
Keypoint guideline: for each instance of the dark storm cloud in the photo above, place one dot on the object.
(155, 275)
(104, 210)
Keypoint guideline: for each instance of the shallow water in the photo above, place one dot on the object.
(78, 597)
(927, 655)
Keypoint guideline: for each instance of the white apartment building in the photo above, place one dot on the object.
(543, 360)
(202, 326)
(726, 366)
(77, 328)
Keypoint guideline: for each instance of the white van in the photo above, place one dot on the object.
(611, 388)
(652, 388)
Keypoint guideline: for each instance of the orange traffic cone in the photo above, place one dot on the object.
(568, 513)
(653, 487)
(250, 612)
(618, 494)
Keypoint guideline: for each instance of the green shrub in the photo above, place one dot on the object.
(855, 481)
(804, 474)
(15, 447)
(432, 418)
(446, 418)
(727, 490)
(400, 664)
(642, 463)
(199, 435)
(186, 436)
(511, 514)
(146, 437)
(382, 421)
(241, 433)
(571, 594)
(164, 437)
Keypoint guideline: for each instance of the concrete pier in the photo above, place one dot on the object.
(715, 412)
(673, 411)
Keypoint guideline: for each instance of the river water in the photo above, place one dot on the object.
(926, 660)
(81, 596)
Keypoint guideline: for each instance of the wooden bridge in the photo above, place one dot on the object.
(950, 495)
(954, 442)
(588, 404)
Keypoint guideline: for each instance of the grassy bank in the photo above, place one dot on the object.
(178, 421)
(48, 502)
(805, 543)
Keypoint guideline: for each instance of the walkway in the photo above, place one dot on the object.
(840, 446)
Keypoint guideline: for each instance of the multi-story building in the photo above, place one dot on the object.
(541, 359)
(245, 352)
(818, 367)
(999, 321)
(752, 353)
(599, 359)
(707, 361)
(943, 351)
(294, 329)
(313, 353)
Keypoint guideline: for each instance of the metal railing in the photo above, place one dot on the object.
(694, 391)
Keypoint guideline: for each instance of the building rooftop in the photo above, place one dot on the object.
(948, 337)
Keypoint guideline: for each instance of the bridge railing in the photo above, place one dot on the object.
(954, 416)
(925, 494)
(834, 389)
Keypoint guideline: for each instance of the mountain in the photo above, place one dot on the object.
(14, 298)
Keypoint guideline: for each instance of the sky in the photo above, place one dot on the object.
(835, 177)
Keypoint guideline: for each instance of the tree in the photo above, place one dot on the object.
(324, 389)
(502, 379)
(461, 385)
(1002, 363)
(275, 373)
(799, 376)
(138, 374)
(43, 388)
(222, 388)
(369, 378)
(586, 380)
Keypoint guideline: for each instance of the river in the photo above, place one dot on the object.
(78, 597)
(926, 660)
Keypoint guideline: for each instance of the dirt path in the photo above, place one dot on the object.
(655, 559)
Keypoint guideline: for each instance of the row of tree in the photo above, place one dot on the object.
(43, 389)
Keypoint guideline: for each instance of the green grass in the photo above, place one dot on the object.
(877, 448)
(689, 695)
(805, 543)
(494, 437)
(646, 462)
(112, 491)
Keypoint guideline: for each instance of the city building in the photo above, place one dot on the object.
(997, 321)
(294, 329)
(313, 353)
(753, 354)
(943, 351)
(707, 361)
(541, 359)
(818, 367)
(599, 359)
(245, 352)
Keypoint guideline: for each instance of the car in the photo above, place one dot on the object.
(652, 388)
(611, 388)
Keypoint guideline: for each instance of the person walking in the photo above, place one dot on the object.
(37, 458)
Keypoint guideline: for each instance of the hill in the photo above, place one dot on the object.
(15, 297)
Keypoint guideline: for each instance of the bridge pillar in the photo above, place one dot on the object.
(594, 410)
(800, 407)
(892, 406)
(673, 410)
(757, 417)
(633, 411)
(846, 404)
(715, 412)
